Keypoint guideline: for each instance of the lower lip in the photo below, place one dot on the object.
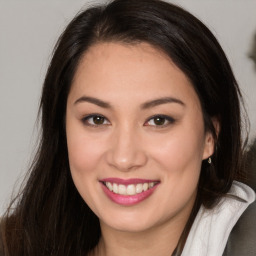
(126, 199)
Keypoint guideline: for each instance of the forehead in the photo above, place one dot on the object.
(114, 70)
(117, 56)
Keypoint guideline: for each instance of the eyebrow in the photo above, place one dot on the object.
(93, 100)
(160, 101)
(146, 105)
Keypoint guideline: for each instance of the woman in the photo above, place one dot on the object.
(141, 150)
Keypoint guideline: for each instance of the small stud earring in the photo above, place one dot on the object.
(209, 160)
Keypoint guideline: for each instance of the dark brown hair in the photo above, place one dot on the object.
(49, 216)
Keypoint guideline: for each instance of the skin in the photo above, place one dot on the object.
(129, 144)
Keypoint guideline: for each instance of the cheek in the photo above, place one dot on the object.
(83, 155)
(180, 151)
(84, 151)
(179, 160)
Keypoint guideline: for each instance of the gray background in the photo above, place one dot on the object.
(28, 32)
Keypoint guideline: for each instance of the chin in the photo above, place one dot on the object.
(130, 222)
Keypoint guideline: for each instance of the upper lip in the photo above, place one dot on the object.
(127, 181)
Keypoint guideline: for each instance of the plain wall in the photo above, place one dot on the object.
(28, 32)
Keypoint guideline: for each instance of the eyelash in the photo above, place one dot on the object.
(167, 120)
(85, 120)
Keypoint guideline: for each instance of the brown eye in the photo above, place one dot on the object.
(95, 120)
(160, 120)
(98, 120)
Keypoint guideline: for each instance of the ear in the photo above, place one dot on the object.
(209, 143)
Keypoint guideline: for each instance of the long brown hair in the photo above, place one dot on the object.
(49, 217)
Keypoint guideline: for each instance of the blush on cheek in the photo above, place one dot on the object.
(83, 157)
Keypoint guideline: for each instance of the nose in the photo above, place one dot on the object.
(126, 150)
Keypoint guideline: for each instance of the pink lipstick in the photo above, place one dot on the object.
(130, 191)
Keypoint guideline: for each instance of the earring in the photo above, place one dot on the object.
(209, 160)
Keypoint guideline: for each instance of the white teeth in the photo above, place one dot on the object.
(151, 185)
(131, 189)
(139, 188)
(109, 186)
(115, 188)
(145, 186)
(122, 190)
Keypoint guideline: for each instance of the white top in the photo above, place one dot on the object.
(211, 228)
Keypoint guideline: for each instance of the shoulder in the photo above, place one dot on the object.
(243, 236)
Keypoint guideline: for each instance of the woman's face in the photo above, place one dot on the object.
(135, 136)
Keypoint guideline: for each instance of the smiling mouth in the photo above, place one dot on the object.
(130, 189)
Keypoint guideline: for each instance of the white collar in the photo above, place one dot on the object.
(211, 228)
